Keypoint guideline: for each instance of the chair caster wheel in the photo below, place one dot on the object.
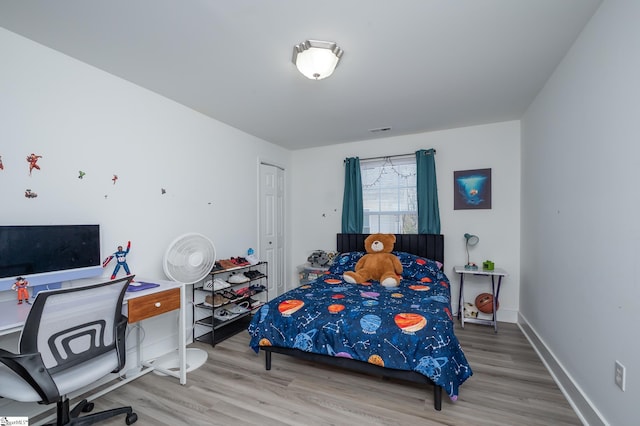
(131, 418)
(88, 407)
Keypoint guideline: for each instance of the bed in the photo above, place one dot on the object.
(402, 333)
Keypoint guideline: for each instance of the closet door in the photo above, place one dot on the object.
(272, 225)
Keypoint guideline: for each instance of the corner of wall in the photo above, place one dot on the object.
(580, 403)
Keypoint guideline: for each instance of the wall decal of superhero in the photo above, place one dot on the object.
(32, 159)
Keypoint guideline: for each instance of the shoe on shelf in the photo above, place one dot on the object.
(256, 288)
(240, 308)
(218, 284)
(256, 306)
(208, 300)
(217, 267)
(224, 314)
(231, 295)
(237, 279)
(253, 274)
(239, 261)
(227, 264)
(219, 300)
(243, 292)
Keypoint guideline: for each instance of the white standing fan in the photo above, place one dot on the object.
(188, 259)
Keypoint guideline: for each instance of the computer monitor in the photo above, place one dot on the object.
(46, 255)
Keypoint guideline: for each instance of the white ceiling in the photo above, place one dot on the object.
(412, 65)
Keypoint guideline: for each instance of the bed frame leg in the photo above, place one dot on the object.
(437, 397)
(267, 360)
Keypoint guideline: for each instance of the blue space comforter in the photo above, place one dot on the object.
(409, 327)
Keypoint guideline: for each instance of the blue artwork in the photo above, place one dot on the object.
(472, 189)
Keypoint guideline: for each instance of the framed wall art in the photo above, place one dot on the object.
(472, 189)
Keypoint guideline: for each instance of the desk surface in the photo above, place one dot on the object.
(480, 271)
(13, 315)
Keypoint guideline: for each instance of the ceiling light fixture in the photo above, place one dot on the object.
(316, 59)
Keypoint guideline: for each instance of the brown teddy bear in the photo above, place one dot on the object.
(378, 264)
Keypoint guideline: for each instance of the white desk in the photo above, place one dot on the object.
(12, 316)
(138, 306)
(144, 304)
(495, 291)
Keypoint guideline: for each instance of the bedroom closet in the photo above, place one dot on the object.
(271, 224)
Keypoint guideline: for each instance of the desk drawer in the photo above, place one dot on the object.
(154, 304)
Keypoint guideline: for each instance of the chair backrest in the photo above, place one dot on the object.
(71, 325)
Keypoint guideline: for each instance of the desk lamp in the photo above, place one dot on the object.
(471, 240)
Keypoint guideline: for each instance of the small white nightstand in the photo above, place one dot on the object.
(495, 290)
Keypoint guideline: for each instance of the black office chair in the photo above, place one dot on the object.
(72, 337)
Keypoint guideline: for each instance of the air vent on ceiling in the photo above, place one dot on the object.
(380, 130)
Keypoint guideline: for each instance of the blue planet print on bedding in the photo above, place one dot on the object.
(409, 327)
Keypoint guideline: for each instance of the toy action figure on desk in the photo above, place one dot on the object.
(121, 258)
(22, 287)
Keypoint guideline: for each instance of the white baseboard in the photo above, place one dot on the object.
(581, 404)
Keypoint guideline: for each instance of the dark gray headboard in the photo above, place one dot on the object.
(430, 246)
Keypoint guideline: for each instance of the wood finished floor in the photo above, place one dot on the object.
(510, 386)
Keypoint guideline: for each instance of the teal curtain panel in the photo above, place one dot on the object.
(427, 187)
(352, 207)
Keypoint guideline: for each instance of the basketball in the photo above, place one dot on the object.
(484, 303)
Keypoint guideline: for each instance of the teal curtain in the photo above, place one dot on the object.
(352, 209)
(427, 187)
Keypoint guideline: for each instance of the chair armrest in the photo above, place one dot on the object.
(32, 370)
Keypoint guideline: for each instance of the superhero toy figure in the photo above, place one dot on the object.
(21, 286)
(33, 162)
(121, 259)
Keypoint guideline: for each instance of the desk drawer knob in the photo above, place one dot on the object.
(158, 304)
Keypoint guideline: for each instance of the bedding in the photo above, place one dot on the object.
(409, 327)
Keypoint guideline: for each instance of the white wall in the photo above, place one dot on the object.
(580, 229)
(80, 118)
(318, 181)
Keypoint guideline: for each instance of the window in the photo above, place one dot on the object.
(389, 195)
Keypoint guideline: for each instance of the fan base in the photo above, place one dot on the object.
(195, 359)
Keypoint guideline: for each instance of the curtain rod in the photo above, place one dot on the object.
(393, 156)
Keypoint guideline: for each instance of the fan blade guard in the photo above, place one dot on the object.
(189, 258)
